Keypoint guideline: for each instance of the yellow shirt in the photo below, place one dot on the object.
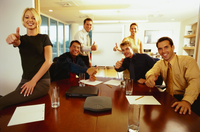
(135, 44)
(186, 76)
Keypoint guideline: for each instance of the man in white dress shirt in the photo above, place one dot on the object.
(83, 37)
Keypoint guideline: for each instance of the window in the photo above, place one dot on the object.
(58, 33)
(61, 38)
(44, 28)
(53, 36)
(67, 38)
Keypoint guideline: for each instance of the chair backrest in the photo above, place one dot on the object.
(52, 70)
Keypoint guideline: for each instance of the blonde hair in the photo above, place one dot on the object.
(35, 14)
(125, 43)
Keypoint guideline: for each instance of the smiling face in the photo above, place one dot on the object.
(166, 50)
(133, 29)
(88, 26)
(74, 49)
(127, 51)
(29, 20)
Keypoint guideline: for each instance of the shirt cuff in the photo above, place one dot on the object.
(189, 99)
(86, 48)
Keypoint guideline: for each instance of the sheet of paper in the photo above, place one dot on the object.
(146, 100)
(91, 82)
(113, 82)
(27, 114)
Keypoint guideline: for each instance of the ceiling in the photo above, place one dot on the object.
(68, 11)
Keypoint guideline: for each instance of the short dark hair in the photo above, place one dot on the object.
(125, 43)
(133, 24)
(87, 19)
(163, 39)
(75, 41)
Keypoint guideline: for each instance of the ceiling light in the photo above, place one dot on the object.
(50, 10)
(66, 3)
(119, 21)
(117, 10)
(131, 21)
(172, 19)
(106, 21)
(97, 11)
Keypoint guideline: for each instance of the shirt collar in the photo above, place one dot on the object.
(133, 57)
(172, 60)
(72, 57)
(84, 31)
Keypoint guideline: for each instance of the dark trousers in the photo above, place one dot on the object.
(41, 89)
(195, 106)
(86, 60)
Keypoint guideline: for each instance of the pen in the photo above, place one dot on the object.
(109, 86)
(139, 97)
(95, 78)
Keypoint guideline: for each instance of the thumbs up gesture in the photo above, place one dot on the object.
(150, 82)
(94, 47)
(116, 47)
(92, 71)
(119, 64)
(14, 38)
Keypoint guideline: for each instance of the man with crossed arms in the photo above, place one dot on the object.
(185, 77)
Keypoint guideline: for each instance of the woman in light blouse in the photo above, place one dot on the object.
(136, 43)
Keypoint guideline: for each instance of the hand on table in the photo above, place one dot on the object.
(183, 106)
(141, 80)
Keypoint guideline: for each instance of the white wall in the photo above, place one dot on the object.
(74, 28)
(10, 68)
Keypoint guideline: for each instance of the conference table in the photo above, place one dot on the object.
(71, 116)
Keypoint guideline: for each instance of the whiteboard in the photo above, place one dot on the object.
(105, 56)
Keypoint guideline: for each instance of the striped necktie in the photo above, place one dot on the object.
(169, 80)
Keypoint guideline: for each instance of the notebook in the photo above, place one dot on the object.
(77, 91)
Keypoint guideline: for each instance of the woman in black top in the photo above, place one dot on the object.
(36, 58)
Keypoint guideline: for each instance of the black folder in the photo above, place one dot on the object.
(77, 91)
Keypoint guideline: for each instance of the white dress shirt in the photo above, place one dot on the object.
(83, 37)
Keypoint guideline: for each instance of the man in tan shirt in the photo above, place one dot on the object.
(185, 77)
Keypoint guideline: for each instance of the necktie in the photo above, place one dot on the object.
(169, 80)
(72, 75)
(88, 44)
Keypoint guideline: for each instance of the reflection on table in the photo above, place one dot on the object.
(71, 117)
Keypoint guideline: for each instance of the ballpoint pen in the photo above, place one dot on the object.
(109, 86)
(139, 97)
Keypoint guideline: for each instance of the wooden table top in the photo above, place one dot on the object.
(71, 117)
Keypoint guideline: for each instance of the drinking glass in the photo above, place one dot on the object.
(55, 99)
